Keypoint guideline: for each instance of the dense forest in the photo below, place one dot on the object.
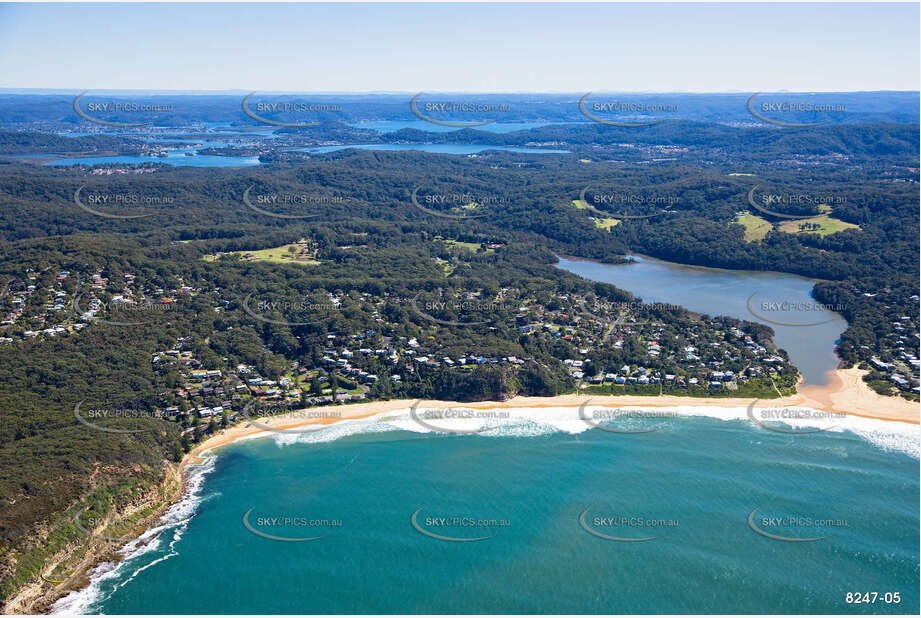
(379, 233)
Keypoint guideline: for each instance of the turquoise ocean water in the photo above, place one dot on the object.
(692, 485)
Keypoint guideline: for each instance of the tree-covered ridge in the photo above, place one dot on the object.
(531, 202)
(436, 270)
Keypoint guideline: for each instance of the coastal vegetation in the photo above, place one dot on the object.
(167, 326)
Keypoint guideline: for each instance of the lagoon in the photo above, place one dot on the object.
(808, 333)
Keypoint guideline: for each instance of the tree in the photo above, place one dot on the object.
(334, 383)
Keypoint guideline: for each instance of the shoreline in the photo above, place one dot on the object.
(845, 393)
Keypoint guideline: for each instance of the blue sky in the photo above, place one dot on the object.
(473, 47)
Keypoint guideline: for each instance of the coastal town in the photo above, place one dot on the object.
(604, 347)
(610, 348)
(362, 318)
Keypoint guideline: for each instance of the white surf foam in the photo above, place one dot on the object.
(173, 523)
(888, 435)
(524, 422)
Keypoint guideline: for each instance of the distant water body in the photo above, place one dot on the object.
(456, 149)
(180, 157)
(185, 155)
(174, 157)
(541, 496)
(806, 331)
(389, 126)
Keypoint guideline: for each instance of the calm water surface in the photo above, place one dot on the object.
(389, 126)
(457, 149)
(808, 333)
(692, 485)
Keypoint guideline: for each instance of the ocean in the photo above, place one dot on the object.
(700, 510)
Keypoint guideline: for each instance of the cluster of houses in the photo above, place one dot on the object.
(51, 319)
(718, 364)
(724, 362)
(61, 313)
(896, 351)
(340, 361)
(628, 374)
(207, 393)
(466, 360)
(709, 353)
(903, 372)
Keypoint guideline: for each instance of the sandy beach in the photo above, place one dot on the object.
(845, 393)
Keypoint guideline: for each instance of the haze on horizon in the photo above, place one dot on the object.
(481, 48)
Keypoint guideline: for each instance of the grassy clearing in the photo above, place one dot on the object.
(741, 174)
(823, 225)
(469, 246)
(294, 253)
(607, 223)
(604, 223)
(756, 228)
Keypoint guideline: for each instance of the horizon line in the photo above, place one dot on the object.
(241, 91)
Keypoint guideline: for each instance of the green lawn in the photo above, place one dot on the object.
(469, 246)
(278, 255)
(825, 225)
(756, 228)
(604, 223)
